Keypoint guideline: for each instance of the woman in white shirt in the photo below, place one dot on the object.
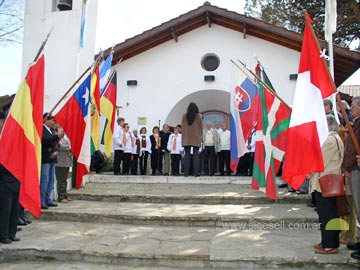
(128, 142)
(145, 144)
(175, 149)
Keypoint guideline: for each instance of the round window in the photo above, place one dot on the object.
(210, 62)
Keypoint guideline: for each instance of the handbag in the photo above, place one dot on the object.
(332, 185)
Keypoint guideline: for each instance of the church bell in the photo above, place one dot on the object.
(64, 5)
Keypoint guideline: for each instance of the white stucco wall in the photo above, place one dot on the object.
(170, 75)
(64, 59)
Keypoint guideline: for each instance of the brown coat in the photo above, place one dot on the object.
(191, 134)
(349, 163)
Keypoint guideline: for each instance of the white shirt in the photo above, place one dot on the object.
(225, 140)
(117, 138)
(148, 143)
(170, 144)
(128, 148)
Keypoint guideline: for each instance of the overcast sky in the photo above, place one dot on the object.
(119, 20)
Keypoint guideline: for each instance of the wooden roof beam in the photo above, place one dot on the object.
(174, 34)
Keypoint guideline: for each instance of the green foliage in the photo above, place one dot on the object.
(288, 14)
(108, 165)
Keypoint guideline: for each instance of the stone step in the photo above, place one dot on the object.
(181, 193)
(139, 247)
(181, 179)
(183, 214)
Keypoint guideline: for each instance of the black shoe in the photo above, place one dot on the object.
(311, 204)
(18, 229)
(44, 207)
(5, 241)
(355, 255)
(28, 221)
(291, 190)
(301, 192)
(283, 186)
(355, 246)
(21, 222)
(52, 205)
(14, 239)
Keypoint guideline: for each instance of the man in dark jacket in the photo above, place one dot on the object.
(9, 201)
(49, 142)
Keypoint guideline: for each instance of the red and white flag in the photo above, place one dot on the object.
(74, 117)
(308, 127)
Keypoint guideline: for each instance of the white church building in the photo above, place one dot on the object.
(186, 59)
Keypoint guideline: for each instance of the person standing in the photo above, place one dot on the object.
(165, 154)
(128, 142)
(49, 152)
(191, 137)
(333, 152)
(210, 148)
(155, 151)
(175, 148)
(145, 150)
(224, 150)
(135, 153)
(62, 169)
(352, 169)
(9, 201)
(118, 145)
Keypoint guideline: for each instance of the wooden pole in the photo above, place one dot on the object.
(43, 45)
(259, 79)
(112, 75)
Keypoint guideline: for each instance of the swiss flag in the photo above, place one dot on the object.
(308, 127)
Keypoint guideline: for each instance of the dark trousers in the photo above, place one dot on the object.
(126, 163)
(143, 162)
(251, 156)
(155, 161)
(61, 180)
(224, 160)
(9, 214)
(195, 160)
(327, 211)
(175, 163)
(209, 156)
(134, 164)
(118, 157)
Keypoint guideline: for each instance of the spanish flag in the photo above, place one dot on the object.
(108, 108)
(20, 140)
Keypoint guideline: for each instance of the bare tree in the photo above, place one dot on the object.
(11, 21)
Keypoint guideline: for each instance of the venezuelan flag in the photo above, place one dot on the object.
(20, 140)
(108, 108)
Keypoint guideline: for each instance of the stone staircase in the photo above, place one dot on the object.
(164, 222)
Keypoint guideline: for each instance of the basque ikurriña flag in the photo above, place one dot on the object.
(271, 134)
(74, 117)
(243, 109)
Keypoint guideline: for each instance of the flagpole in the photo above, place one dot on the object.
(338, 98)
(259, 79)
(73, 85)
(43, 45)
(112, 75)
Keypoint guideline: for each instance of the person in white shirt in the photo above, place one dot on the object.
(128, 142)
(219, 130)
(175, 149)
(210, 142)
(118, 145)
(136, 151)
(224, 150)
(145, 150)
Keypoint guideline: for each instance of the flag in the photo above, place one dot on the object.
(105, 69)
(108, 109)
(83, 23)
(73, 115)
(95, 110)
(271, 134)
(330, 18)
(20, 140)
(308, 126)
(243, 108)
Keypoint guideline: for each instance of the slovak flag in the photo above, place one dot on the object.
(243, 111)
(74, 117)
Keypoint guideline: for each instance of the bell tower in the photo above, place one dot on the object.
(65, 59)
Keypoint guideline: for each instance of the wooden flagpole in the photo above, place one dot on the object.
(112, 75)
(43, 45)
(259, 79)
(308, 21)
